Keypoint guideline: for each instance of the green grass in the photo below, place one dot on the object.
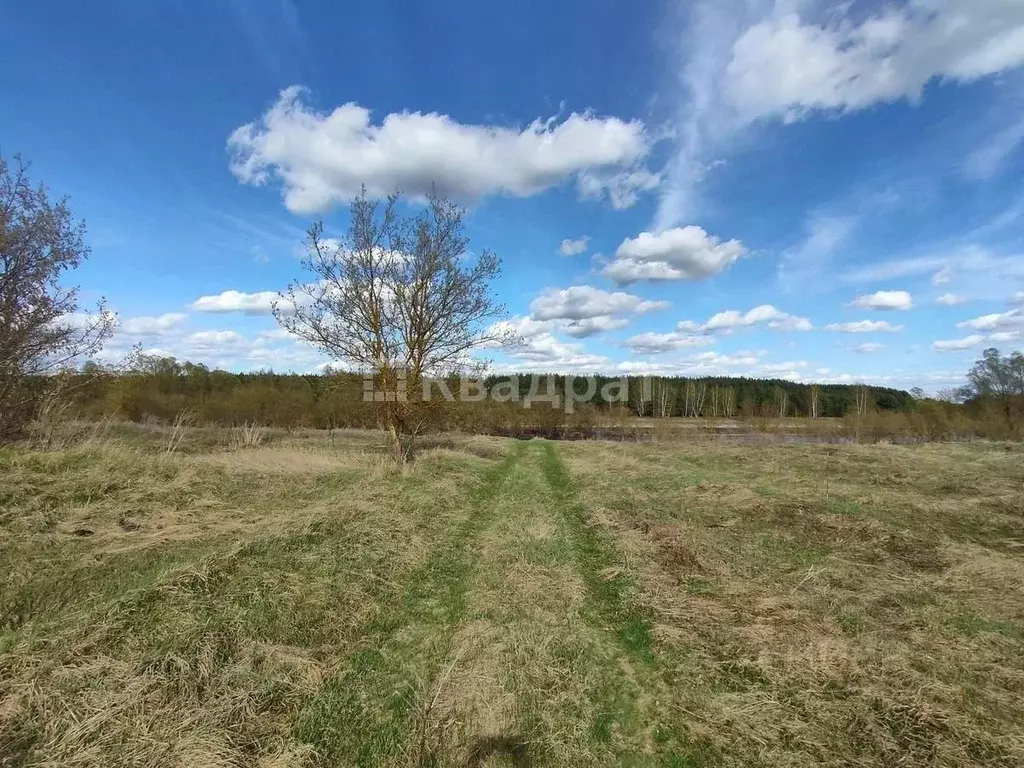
(509, 603)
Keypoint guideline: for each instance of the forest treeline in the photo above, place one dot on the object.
(159, 389)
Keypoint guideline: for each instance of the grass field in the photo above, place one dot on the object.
(510, 603)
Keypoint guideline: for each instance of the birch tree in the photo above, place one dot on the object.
(400, 299)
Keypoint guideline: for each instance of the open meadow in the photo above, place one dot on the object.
(290, 600)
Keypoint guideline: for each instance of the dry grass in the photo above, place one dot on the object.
(841, 605)
(300, 603)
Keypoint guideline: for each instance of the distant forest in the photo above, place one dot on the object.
(159, 389)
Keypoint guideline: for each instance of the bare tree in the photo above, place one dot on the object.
(815, 400)
(401, 300)
(41, 329)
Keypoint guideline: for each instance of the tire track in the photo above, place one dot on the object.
(363, 715)
(615, 608)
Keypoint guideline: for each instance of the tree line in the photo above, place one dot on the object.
(159, 388)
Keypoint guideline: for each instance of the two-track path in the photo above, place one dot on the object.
(516, 643)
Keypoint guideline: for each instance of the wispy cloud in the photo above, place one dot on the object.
(742, 62)
(705, 124)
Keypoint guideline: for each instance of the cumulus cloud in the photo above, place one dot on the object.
(710, 362)
(540, 349)
(730, 320)
(884, 300)
(659, 343)
(1013, 318)
(152, 326)
(886, 56)
(236, 301)
(792, 323)
(955, 345)
(868, 347)
(950, 300)
(584, 310)
(689, 333)
(864, 326)
(766, 313)
(622, 189)
(322, 158)
(942, 277)
(592, 326)
(585, 301)
(573, 247)
(683, 253)
(221, 348)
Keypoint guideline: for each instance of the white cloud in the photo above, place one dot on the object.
(864, 326)
(236, 301)
(1016, 298)
(573, 247)
(730, 320)
(522, 327)
(684, 253)
(705, 124)
(950, 300)
(692, 334)
(541, 350)
(702, 363)
(741, 61)
(277, 334)
(225, 348)
(998, 328)
(584, 310)
(786, 66)
(658, 343)
(792, 323)
(868, 347)
(152, 326)
(1011, 319)
(955, 345)
(591, 326)
(766, 313)
(884, 300)
(622, 189)
(216, 338)
(586, 301)
(324, 158)
(978, 272)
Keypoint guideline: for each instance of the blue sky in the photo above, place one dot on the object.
(811, 190)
